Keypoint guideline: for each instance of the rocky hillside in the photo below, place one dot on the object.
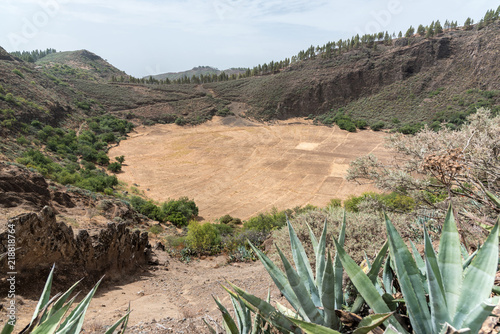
(82, 232)
(414, 79)
(411, 80)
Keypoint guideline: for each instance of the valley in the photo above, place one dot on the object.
(245, 170)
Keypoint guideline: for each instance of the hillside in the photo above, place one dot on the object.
(196, 71)
(411, 80)
(81, 64)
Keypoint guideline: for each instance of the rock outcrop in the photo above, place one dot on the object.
(42, 241)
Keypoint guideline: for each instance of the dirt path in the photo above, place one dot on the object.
(232, 166)
(171, 298)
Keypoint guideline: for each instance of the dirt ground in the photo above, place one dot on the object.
(173, 297)
(233, 166)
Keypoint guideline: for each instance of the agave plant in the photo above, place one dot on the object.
(314, 297)
(243, 318)
(51, 314)
(459, 299)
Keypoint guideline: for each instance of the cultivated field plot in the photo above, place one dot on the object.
(244, 168)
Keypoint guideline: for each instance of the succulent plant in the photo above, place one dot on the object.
(51, 314)
(458, 298)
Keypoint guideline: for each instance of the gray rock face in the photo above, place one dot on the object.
(42, 241)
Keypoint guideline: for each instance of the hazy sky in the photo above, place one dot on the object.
(144, 37)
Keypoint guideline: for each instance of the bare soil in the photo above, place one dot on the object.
(173, 297)
(233, 166)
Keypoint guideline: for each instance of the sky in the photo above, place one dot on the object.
(146, 37)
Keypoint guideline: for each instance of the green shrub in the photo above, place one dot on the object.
(334, 203)
(120, 159)
(377, 126)
(22, 140)
(228, 220)
(346, 125)
(180, 121)
(352, 202)
(361, 124)
(180, 211)
(224, 112)
(398, 202)
(266, 222)
(16, 71)
(156, 229)
(147, 208)
(203, 238)
(103, 159)
(224, 229)
(115, 167)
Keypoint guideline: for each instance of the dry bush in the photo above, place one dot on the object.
(456, 164)
(365, 232)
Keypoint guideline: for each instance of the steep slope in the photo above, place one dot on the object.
(410, 80)
(27, 94)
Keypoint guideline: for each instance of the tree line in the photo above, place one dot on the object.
(32, 56)
(328, 50)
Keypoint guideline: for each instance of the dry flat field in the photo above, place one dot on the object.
(232, 166)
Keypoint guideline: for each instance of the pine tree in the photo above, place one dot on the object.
(468, 24)
(410, 32)
(447, 25)
(421, 30)
(438, 29)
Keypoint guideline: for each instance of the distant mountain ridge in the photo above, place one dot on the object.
(196, 71)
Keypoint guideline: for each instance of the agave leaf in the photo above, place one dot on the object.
(448, 329)
(450, 262)
(479, 278)
(314, 241)
(364, 286)
(320, 259)
(301, 292)
(45, 297)
(242, 315)
(418, 259)
(118, 323)
(303, 266)
(286, 311)
(229, 323)
(410, 280)
(310, 328)
(371, 322)
(7, 329)
(372, 275)
(388, 276)
(328, 295)
(437, 298)
(463, 250)
(60, 302)
(267, 311)
(478, 315)
(338, 269)
(210, 328)
(50, 325)
(79, 312)
(278, 278)
(391, 330)
(123, 327)
(259, 323)
(469, 259)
